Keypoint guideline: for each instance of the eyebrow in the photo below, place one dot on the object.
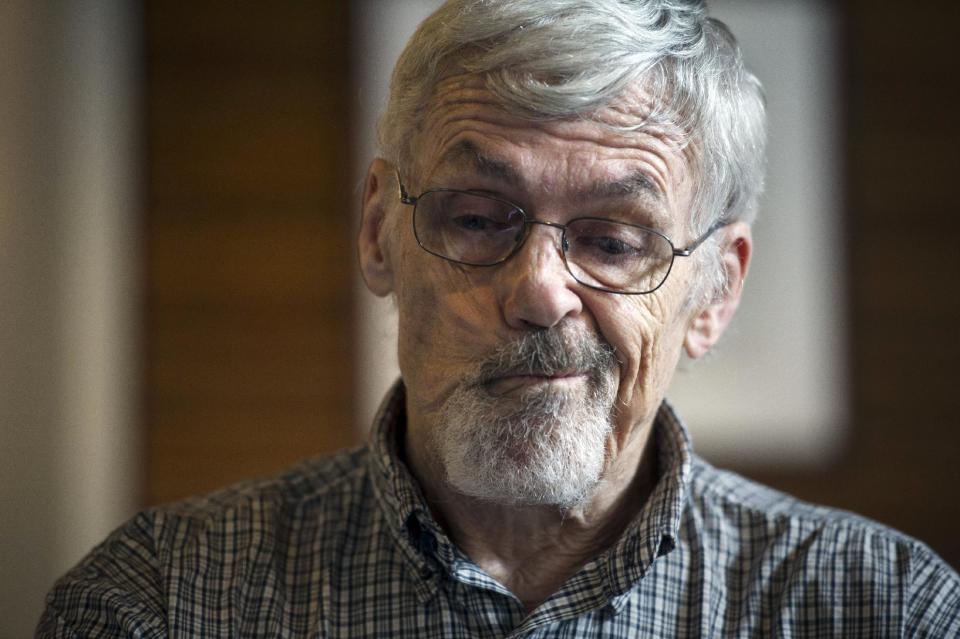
(466, 152)
(635, 184)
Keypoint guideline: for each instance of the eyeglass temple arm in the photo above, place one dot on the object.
(405, 197)
(685, 252)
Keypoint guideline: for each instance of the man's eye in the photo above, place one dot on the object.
(614, 246)
(478, 223)
(474, 223)
(611, 246)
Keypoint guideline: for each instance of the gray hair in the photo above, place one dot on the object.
(554, 59)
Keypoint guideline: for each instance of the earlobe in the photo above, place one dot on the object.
(709, 323)
(373, 242)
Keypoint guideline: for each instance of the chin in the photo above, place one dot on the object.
(545, 447)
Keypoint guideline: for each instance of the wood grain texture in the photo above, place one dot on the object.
(249, 329)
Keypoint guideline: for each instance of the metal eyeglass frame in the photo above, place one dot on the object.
(529, 221)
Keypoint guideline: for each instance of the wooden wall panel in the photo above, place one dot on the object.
(249, 339)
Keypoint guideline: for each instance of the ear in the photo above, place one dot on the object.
(373, 241)
(709, 323)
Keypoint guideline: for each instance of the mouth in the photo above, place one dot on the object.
(513, 384)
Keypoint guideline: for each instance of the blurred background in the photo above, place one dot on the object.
(179, 306)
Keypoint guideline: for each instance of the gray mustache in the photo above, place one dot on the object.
(548, 352)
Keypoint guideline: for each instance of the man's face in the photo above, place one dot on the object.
(475, 343)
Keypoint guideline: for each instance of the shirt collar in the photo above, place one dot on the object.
(408, 517)
(653, 533)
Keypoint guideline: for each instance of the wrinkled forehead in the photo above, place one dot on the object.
(612, 155)
(631, 114)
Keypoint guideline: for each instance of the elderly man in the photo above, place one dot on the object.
(562, 207)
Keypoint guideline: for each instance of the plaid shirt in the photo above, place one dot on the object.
(345, 547)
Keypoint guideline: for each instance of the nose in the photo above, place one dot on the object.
(534, 287)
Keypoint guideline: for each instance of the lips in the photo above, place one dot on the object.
(520, 382)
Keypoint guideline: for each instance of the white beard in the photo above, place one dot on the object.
(544, 447)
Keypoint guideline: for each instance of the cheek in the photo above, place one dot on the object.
(442, 322)
(648, 343)
(417, 312)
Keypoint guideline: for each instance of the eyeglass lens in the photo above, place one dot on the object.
(481, 230)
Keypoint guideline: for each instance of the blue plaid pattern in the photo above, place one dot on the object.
(345, 546)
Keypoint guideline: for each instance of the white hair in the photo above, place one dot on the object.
(553, 59)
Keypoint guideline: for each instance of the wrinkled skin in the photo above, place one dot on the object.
(451, 316)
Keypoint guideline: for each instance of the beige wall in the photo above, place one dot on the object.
(67, 466)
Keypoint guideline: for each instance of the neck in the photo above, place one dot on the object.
(533, 550)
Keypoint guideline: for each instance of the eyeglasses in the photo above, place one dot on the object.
(482, 230)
